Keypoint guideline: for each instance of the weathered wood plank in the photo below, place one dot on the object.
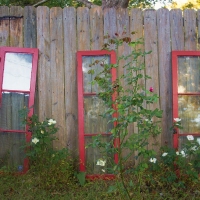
(136, 25)
(16, 27)
(44, 70)
(30, 27)
(151, 62)
(190, 29)
(5, 112)
(16, 40)
(57, 74)
(70, 48)
(124, 49)
(4, 26)
(177, 29)
(96, 27)
(30, 39)
(198, 29)
(110, 23)
(164, 49)
(83, 33)
(123, 30)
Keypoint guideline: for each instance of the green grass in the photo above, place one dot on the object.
(27, 187)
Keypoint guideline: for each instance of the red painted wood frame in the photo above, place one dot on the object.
(30, 92)
(81, 95)
(175, 56)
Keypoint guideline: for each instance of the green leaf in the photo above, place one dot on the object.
(112, 188)
(81, 178)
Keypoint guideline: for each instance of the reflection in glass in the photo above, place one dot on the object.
(94, 122)
(12, 103)
(189, 112)
(87, 65)
(17, 71)
(188, 74)
(94, 154)
(11, 153)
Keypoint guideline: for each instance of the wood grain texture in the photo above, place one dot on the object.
(30, 34)
(190, 29)
(165, 77)
(70, 48)
(16, 27)
(110, 23)
(198, 29)
(57, 75)
(123, 30)
(96, 27)
(83, 29)
(4, 26)
(137, 33)
(177, 29)
(151, 63)
(124, 49)
(44, 69)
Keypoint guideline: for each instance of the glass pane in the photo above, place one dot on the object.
(93, 122)
(87, 65)
(189, 112)
(17, 71)
(94, 154)
(12, 103)
(188, 74)
(11, 153)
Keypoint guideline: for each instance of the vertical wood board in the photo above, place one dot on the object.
(44, 70)
(70, 48)
(151, 63)
(57, 74)
(190, 29)
(96, 27)
(83, 29)
(164, 49)
(110, 23)
(198, 29)
(4, 26)
(177, 29)
(16, 27)
(30, 39)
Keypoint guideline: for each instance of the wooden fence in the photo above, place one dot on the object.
(60, 33)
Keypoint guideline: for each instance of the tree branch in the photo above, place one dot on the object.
(40, 2)
(86, 3)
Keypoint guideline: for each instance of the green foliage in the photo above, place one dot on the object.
(174, 170)
(74, 3)
(49, 3)
(133, 106)
(55, 168)
(81, 178)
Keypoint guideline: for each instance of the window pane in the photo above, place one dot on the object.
(93, 122)
(11, 153)
(12, 103)
(94, 154)
(188, 74)
(189, 112)
(17, 71)
(87, 78)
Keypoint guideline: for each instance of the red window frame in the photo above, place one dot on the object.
(81, 94)
(31, 92)
(175, 55)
